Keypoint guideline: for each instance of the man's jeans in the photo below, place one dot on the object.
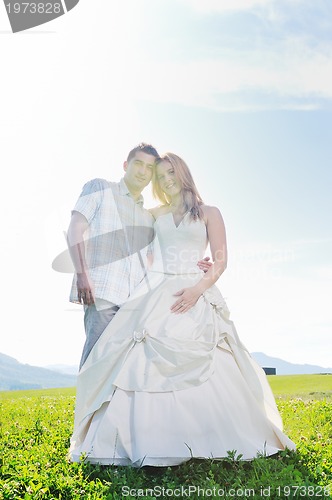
(96, 320)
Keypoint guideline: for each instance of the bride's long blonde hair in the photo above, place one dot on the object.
(191, 198)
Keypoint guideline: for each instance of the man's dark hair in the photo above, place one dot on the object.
(145, 148)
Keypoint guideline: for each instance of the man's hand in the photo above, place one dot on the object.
(204, 264)
(187, 299)
(85, 289)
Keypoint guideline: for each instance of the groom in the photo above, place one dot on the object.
(108, 229)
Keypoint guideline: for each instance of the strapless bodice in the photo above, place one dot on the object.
(179, 248)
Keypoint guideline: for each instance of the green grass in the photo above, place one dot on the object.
(304, 386)
(35, 428)
(38, 393)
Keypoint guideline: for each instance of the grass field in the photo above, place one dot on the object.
(302, 386)
(35, 428)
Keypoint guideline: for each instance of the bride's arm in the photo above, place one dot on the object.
(218, 245)
(217, 237)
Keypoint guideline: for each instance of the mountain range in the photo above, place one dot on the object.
(285, 367)
(17, 376)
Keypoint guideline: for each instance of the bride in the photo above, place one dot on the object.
(169, 379)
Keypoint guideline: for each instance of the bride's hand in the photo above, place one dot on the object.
(187, 299)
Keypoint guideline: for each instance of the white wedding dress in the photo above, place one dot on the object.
(159, 388)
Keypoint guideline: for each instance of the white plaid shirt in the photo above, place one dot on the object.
(117, 239)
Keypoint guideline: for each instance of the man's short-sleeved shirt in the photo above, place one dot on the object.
(116, 241)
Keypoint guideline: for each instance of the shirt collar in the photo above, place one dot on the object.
(124, 191)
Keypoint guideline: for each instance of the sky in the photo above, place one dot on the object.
(240, 89)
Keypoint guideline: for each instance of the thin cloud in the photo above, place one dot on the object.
(290, 75)
(225, 5)
(281, 59)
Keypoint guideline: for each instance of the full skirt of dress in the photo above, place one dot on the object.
(159, 388)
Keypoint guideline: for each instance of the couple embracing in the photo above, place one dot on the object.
(163, 375)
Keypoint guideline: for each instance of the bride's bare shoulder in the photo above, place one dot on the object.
(210, 212)
(160, 210)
